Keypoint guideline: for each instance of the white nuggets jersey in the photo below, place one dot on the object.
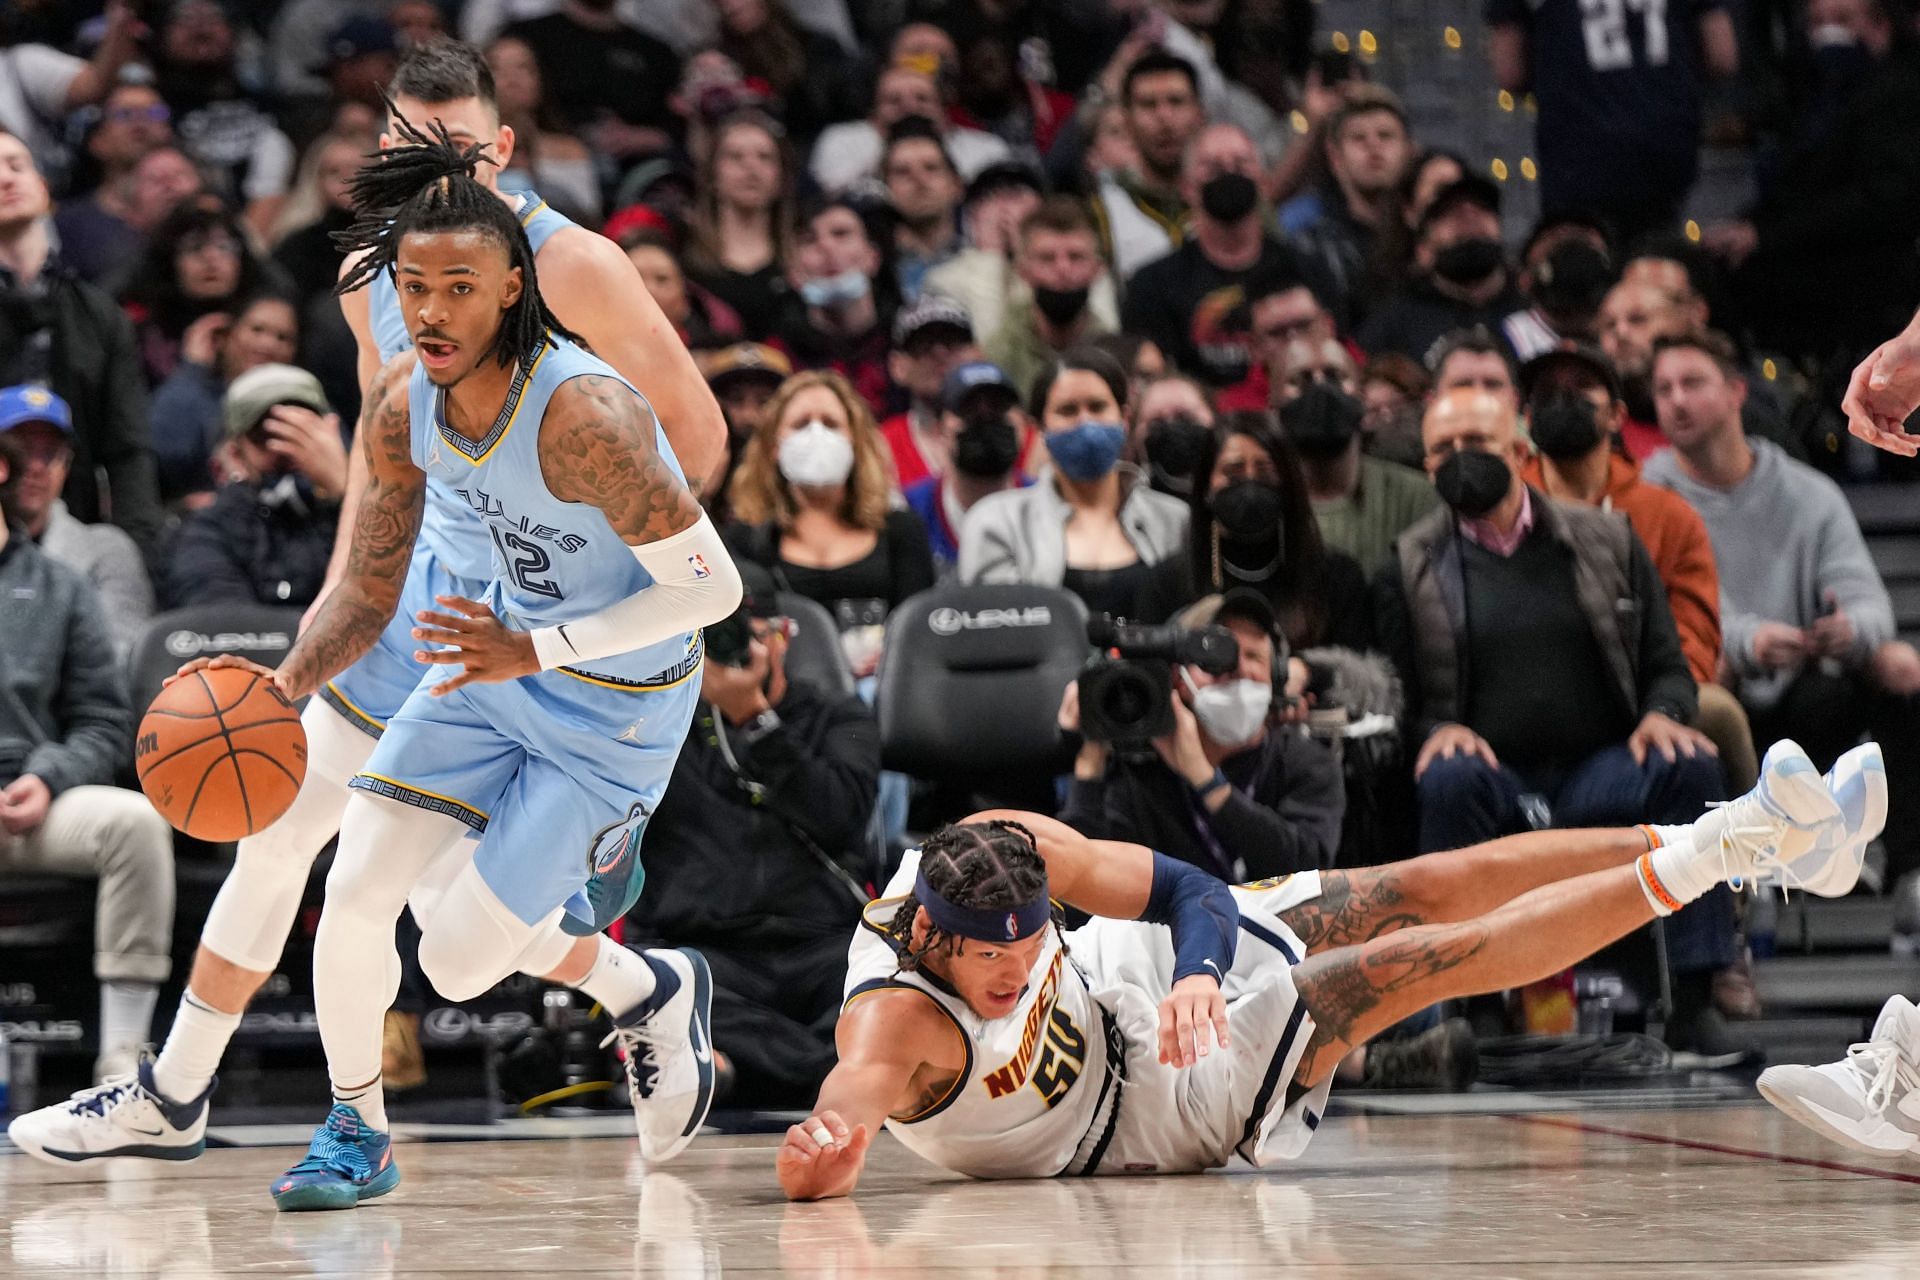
(1035, 1081)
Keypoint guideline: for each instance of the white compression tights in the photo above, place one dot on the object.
(390, 852)
(254, 911)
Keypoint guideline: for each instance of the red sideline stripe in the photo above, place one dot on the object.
(1718, 1149)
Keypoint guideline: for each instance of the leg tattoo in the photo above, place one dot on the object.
(1353, 907)
(1351, 992)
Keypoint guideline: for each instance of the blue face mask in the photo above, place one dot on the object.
(848, 287)
(1087, 450)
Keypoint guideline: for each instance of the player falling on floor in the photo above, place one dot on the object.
(1870, 1099)
(995, 1044)
(162, 1111)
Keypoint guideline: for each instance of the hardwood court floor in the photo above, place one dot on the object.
(1728, 1190)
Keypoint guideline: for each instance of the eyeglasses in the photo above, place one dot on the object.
(156, 113)
(46, 454)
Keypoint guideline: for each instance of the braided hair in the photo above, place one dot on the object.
(427, 184)
(987, 865)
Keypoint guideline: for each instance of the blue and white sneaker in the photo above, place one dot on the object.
(347, 1162)
(668, 1045)
(1858, 783)
(124, 1116)
(1774, 830)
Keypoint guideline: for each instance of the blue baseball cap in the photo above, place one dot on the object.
(974, 376)
(25, 404)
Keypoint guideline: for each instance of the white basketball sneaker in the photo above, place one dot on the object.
(1870, 1099)
(1858, 783)
(1774, 829)
(125, 1116)
(667, 1041)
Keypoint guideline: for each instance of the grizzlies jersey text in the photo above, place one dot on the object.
(1035, 1081)
(553, 562)
(455, 538)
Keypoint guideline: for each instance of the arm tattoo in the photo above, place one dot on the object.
(385, 525)
(597, 446)
(1341, 986)
(1353, 906)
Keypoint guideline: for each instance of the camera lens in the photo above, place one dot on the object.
(1127, 699)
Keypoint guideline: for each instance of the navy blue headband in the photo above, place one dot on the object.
(982, 924)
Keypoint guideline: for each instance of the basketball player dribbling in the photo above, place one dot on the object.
(995, 1044)
(161, 1111)
(1869, 1100)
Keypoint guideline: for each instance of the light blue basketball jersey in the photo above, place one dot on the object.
(552, 562)
(448, 528)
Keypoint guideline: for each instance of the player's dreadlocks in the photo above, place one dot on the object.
(426, 183)
(988, 865)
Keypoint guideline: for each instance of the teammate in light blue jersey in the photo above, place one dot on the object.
(161, 1112)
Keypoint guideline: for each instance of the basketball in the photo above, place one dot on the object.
(221, 753)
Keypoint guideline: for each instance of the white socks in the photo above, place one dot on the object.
(193, 1049)
(620, 979)
(369, 1099)
(1676, 871)
(126, 1013)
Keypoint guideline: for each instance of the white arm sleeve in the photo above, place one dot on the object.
(694, 583)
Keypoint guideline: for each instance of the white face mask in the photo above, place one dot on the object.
(1233, 712)
(816, 456)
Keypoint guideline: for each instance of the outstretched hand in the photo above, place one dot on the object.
(1884, 392)
(821, 1157)
(232, 661)
(474, 639)
(1193, 1015)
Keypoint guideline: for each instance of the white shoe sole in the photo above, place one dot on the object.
(1894, 1142)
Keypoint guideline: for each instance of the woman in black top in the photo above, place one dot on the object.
(743, 219)
(810, 501)
(1252, 525)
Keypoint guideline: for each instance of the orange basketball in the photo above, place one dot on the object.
(221, 753)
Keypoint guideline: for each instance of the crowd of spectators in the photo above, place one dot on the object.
(1156, 302)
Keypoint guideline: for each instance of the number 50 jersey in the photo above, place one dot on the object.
(1035, 1094)
(553, 562)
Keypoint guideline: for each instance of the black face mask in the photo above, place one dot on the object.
(1573, 280)
(1061, 307)
(1248, 511)
(1229, 197)
(1322, 421)
(987, 447)
(1564, 426)
(1473, 482)
(1174, 446)
(1469, 261)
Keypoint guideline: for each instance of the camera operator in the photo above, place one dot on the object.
(1235, 789)
(758, 854)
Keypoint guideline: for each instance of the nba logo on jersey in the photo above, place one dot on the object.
(698, 564)
(614, 844)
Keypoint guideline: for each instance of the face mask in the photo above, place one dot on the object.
(1564, 427)
(1087, 451)
(1322, 421)
(1229, 197)
(1473, 482)
(1248, 511)
(1469, 261)
(1174, 446)
(1573, 280)
(817, 456)
(1061, 307)
(1233, 712)
(987, 447)
(849, 286)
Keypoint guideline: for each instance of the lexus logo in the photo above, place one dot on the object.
(188, 644)
(951, 622)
